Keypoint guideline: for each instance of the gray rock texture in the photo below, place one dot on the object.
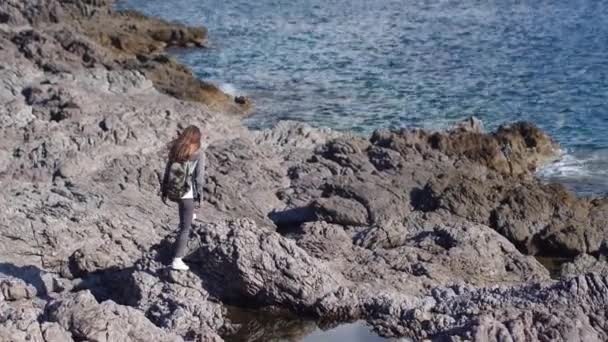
(429, 235)
(583, 264)
(86, 319)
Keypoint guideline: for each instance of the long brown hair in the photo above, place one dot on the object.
(186, 144)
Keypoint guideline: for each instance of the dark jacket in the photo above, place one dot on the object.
(198, 176)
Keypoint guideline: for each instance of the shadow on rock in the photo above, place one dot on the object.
(29, 274)
(43, 282)
(113, 283)
(291, 217)
(422, 199)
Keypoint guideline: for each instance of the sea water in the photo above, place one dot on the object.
(361, 65)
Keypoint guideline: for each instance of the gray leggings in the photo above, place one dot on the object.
(186, 209)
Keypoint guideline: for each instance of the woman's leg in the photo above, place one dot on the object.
(186, 209)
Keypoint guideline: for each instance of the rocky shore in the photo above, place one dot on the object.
(428, 235)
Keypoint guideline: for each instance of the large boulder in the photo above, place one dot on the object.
(249, 265)
(86, 319)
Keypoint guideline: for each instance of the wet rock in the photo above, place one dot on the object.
(240, 100)
(134, 33)
(176, 80)
(132, 36)
(472, 125)
(124, 36)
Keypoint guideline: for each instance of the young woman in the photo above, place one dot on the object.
(185, 149)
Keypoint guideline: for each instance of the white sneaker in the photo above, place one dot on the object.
(179, 265)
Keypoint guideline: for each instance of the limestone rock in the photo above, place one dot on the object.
(15, 289)
(85, 318)
(422, 233)
(584, 264)
(259, 267)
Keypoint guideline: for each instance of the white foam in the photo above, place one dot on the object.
(229, 89)
(567, 166)
(585, 172)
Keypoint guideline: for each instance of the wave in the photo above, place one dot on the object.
(229, 89)
(581, 170)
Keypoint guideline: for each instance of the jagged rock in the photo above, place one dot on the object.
(15, 289)
(135, 33)
(127, 38)
(85, 318)
(538, 218)
(551, 221)
(242, 263)
(420, 253)
(19, 320)
(512, 150)
(53, 332)
(133, 37)
(243, 180)
(324, 241)
(401, 228)
(584, 264)
(22, 317)
(20, 13)
(173, 300)
(472, 124)
(178, 302)
(376, 176)
(297, 135)
(564, 311)
(341, 211)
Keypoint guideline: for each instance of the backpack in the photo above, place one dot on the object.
(180, 179)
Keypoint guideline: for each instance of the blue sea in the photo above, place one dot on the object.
(361, 65)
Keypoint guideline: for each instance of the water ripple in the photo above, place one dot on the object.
(390, 63)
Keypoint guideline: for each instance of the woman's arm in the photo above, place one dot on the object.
(200, 175)
(163, 184)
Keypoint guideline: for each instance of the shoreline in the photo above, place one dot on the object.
(422, 234)
(550, 173)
